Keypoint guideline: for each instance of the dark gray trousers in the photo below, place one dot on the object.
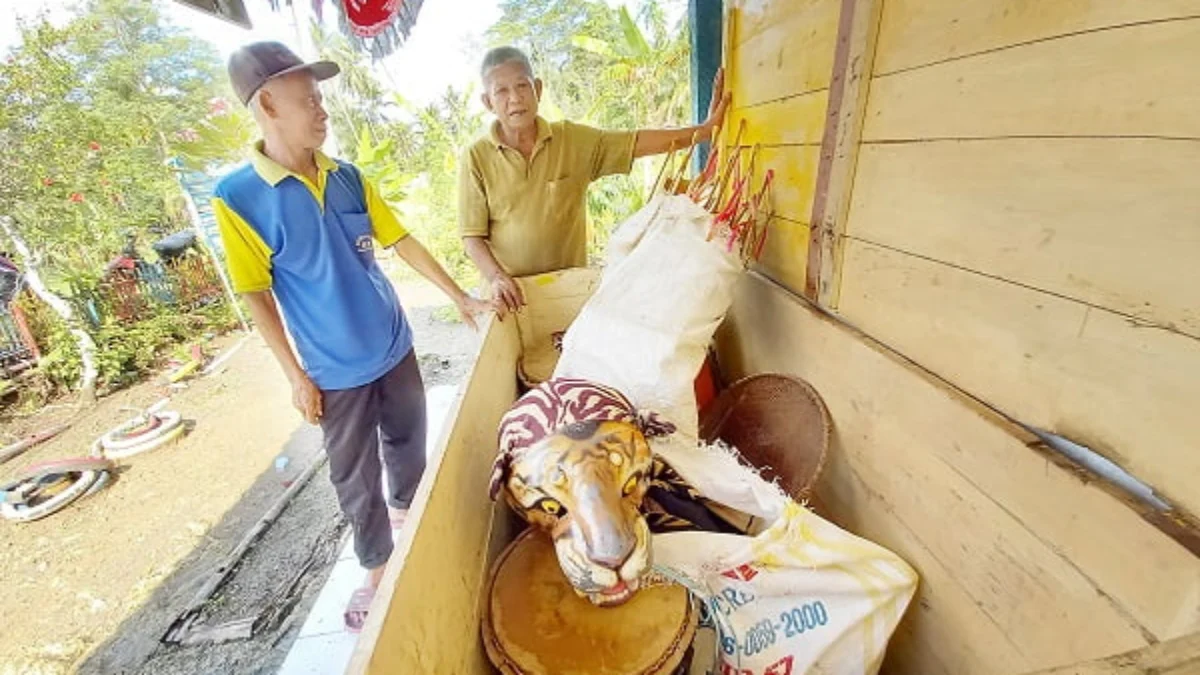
(384, 419)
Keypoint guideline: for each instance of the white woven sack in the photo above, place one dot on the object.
(801, 597)
(646, 329)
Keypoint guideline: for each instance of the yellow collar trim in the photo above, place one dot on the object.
(273, 172)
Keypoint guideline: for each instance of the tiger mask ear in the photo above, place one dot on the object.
(500, 471)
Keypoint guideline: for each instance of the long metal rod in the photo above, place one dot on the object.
(1080, 456)
(179, 628)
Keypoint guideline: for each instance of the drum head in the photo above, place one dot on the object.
(534, 624)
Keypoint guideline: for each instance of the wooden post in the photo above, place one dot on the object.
(858, 30)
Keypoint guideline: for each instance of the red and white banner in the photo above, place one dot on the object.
(369, 18)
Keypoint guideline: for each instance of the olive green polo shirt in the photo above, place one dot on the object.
(533, 211)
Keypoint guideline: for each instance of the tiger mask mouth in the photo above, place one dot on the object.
(584, 485)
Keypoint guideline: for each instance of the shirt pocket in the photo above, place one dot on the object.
(562, 195)
(359, 234)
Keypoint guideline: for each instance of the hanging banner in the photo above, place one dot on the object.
(369, 18)
(199, 186)
(378, 27)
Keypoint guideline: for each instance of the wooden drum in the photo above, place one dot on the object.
(534, 624)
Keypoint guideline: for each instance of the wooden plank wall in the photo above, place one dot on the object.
(1023, 565)
(1022, 225)
(1025, 216)
(779, 60)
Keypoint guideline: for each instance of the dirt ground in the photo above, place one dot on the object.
(94, 587)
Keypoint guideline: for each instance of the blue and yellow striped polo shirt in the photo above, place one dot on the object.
(312, 245)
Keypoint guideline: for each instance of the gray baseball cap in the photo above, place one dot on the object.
(251, 66)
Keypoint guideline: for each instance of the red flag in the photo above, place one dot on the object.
(369, 18)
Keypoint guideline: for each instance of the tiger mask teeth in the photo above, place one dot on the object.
(584, 486)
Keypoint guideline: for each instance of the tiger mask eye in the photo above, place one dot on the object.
(551, 507)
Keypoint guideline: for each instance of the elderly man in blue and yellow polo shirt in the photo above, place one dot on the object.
(299, 231)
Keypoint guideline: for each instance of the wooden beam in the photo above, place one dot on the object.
(919, 33)
(1054, 215)
(858, 31)
(1180, 656)
(1133, 81)
(1119, 387)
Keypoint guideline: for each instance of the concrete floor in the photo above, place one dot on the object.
(323, 646)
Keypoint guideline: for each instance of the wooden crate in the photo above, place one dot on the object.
(425, 616)
(1023, 565)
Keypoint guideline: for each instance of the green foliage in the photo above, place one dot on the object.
(604, 67)
(447, 314)
(375, 161)
(129, 352)
(90, 112)
(93, 115)
(444, 128)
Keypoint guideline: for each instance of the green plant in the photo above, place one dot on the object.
(129, 352)
(91, 109)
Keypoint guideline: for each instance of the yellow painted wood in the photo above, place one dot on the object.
(919, 32)
(1111, 222)
(755, 17)
(791, 56)
(786, 252)
(799, 120)
(795, 175)
(785, 256)
(1125, 390)
(425, 616)
(1138, 81)
(425, 610)
(1022, 564)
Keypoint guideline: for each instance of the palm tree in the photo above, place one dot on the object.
(634, 60)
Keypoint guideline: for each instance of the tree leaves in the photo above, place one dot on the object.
(593, 45)
(636, 46)
(89, 114)
(609, 68)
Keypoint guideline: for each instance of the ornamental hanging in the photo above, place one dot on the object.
(377, 26)
(369, 18)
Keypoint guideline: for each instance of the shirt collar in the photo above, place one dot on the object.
(544, 133)
(273, 172)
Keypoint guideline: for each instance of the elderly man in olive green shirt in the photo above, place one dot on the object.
(523, 187)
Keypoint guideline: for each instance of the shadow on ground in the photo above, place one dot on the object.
(308, 533)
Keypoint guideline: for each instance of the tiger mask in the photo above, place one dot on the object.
(576, 464)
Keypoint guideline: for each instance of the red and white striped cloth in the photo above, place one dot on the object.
(558, 403)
